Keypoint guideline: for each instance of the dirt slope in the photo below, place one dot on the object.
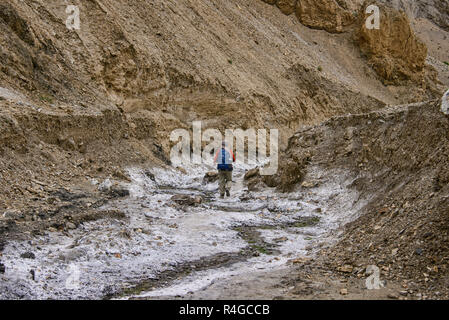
(399, 158)
(216, 61)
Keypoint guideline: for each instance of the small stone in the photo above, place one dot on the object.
(445, 103)
(347, 268)
(182, 170)
(118, 191)
(33, 274)
(148, 214)
(70, 225)
(392, 296)
(119, 174)
(184, 200)
(309, 184)
(198, 200)
(300, 260)
(344, 292)
(125, 234)
(28, 255)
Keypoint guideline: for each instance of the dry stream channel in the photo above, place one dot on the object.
(167, 249)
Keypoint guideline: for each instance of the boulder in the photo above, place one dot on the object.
(28, 255)
(70, 225)
(251, 174)
(210, 177)
(186, 200)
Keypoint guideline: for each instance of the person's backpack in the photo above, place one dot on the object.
(224, 160)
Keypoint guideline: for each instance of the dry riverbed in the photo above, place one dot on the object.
(177, 239)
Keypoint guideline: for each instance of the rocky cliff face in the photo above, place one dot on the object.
(393, 50)
(436, 11)
(219, 63)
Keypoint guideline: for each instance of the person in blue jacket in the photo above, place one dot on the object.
(224, 159)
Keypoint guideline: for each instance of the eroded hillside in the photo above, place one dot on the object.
(78, 106)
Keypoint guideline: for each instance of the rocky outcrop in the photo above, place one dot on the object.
(393, 50)
(286, 6)
(436, 11)
(329, 15)
(374, 141)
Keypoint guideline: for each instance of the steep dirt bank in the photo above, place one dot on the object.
(220, 62)
(400, 157)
